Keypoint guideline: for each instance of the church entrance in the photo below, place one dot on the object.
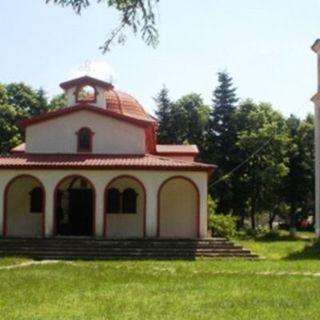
(74, 207)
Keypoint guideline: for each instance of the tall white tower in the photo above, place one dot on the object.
(316, 100)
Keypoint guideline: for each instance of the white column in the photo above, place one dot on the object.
(316, 99)
(317, 166)
(151, 208)
(99, 214)
(203, 223)
(49, 210)
(2, 195)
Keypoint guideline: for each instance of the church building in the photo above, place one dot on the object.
(94, 169)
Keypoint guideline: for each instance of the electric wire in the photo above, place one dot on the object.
(241, 164)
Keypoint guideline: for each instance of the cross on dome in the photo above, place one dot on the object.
(86, 67)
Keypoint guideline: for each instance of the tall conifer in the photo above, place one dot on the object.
(222, 139)
(164, 115)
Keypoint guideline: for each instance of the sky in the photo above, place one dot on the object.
(264, 45)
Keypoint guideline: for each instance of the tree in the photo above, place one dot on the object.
(183, 121)
(165, 132)
(137, 15)
(190, 117)
(298, 184)
(58, 102)
(265, 144)
(222, 139)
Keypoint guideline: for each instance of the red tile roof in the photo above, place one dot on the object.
(109, 162)
(123, 103)
(85, 80)
(177, 148)
(84, 107)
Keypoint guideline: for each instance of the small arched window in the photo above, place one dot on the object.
(85, 140)
(86, 93)
(113, 201)
(36, 200)
(129, 201)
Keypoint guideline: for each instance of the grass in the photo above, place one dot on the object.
(203, 289)
(9, 261)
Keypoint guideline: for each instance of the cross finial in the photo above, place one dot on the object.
(86, 68)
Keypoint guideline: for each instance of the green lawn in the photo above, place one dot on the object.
(9, 261)
(203, 289)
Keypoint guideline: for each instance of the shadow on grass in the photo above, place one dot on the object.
(311, 252)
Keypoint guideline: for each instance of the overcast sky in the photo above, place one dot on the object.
(264, 45)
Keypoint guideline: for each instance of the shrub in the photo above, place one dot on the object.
(221, 225)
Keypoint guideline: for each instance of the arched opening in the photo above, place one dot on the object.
(178, 208)
(125, 205)
(86, 93)
(24, 207)
(74, 207)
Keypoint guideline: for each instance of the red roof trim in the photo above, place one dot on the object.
(177, 149)
(98, 162)
(83, 107)
(84, 81)
(19, 148)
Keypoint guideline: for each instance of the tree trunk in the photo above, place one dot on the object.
(293, 229)
(254, 199)
(271, 220)
(253, 213)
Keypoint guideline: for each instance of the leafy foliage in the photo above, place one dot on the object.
(265, 161)
(137, 15)
(221, 225)
(182, 121)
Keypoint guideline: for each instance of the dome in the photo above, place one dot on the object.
(123, 103)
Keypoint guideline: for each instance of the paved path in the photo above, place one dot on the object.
(30, 263)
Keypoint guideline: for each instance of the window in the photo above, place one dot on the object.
(125, 202)
(129, 201)
(86, 93)
(36, 200)
(85, 140)
(113, 201)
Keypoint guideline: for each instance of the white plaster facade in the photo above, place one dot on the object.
(316, 100)
(111, 136)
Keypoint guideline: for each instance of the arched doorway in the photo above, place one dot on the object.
(24, 207)
(125, 205)
(178, 208)
(74, 207)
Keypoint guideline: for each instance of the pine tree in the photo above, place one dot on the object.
(222, 139)
(164, 114)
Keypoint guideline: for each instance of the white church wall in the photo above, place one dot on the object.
(178, 209)
(111, 136)
(151, 180)
(20, 221)
(122, 225)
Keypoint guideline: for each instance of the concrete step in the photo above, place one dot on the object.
(79, 248)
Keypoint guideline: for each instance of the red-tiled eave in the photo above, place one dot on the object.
(20, 148)
(83, 107)
(177, 149)
(108, 162)
(84, 81)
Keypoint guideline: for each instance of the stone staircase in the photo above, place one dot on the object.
(108, 249)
